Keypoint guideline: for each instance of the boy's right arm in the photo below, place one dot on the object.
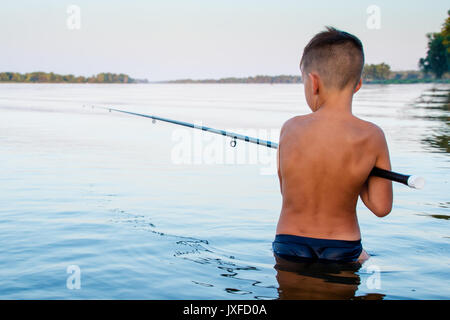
(377, 192)
(278, 169)
(282, 131)
(283, 128)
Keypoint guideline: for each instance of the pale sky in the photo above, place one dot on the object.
(174, 39)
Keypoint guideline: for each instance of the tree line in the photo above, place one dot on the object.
(372, 73)
(34, 77)
(382, 73)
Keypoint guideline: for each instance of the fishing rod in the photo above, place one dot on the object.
(412, 181)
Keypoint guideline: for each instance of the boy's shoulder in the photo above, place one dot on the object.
(364, 124)
(364, 127)
(371, 128)
(372, 135)
(294, 121)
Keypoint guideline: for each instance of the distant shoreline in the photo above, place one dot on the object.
(50, 77)
(442, 81)
(396, 77)
(365, 82)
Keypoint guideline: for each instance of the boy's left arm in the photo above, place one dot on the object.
(377, 192)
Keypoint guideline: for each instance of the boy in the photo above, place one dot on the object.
(324, 158)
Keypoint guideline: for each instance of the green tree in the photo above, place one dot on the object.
(5, 76)
(446, 37)
(437, 60)
(17, 77)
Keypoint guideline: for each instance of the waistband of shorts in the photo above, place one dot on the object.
(316, 241)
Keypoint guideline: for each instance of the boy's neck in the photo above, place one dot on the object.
(335, 101)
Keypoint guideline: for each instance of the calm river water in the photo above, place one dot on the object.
(135, 210)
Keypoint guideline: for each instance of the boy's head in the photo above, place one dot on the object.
(336, 56)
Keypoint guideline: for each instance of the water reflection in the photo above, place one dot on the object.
(437, 216)
(317, 280)
(436, 103)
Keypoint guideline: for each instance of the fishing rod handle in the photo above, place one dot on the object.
(412, 181)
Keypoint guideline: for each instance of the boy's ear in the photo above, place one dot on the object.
(358, 86)
(314, 80)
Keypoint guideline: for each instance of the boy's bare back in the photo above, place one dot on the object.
(324, 161)
(325, 158)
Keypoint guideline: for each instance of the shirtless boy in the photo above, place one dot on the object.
(325, 157)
